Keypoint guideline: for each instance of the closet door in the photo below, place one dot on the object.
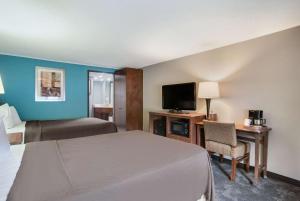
(134, 97)
(120, 100)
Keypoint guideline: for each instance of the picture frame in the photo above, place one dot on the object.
(49, 84)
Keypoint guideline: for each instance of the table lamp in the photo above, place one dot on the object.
(207, 91)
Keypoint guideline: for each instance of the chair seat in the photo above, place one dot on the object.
(235, 152)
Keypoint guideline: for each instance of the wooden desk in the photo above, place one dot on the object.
(258, 135)
(192, 117)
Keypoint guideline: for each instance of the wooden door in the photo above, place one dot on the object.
(120, 100)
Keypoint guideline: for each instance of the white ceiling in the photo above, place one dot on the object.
(135, 33)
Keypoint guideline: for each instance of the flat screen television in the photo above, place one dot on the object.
(179, 96)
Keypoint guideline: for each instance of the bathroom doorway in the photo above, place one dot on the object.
(100, 95)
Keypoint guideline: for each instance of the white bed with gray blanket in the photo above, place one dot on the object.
(128, 166)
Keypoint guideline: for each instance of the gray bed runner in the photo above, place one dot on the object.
(66, 129)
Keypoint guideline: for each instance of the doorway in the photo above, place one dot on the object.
(101, 94)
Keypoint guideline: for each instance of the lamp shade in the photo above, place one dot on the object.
(1, 86)
(208, 90)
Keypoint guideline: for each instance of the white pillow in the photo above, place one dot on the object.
(12, 119)
(4, 143)
(4, 110)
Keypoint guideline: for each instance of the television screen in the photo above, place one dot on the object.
(179, 96)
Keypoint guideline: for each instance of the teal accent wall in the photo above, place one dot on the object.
(18, 76)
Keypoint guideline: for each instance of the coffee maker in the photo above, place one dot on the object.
(256, 117)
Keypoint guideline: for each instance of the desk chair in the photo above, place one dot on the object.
(221, 138)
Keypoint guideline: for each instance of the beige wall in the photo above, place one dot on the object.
(262, 73)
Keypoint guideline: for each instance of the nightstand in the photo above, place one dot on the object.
(15, 138)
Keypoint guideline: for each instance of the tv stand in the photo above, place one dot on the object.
(178, 111)
(192, 118)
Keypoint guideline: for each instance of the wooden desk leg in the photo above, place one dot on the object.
(201, 137)
(168, 126)
(265, 154)
(257, 154)
(193, 132)
(197, 134)
(150, 123)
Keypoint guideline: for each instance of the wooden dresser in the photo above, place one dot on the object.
(128, 99)
(168, 117)
(103, 112)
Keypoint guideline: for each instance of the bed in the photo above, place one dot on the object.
(66, 129)
(133, 165)
(61, 129)
(31, 131)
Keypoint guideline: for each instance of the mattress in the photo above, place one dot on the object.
(134, 165)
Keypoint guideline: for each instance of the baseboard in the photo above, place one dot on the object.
(283, 178)
(272, 175)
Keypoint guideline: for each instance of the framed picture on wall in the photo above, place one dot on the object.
(49, 84)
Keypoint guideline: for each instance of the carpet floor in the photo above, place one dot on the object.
(242, 189)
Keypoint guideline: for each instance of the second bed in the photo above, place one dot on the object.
(33, 131)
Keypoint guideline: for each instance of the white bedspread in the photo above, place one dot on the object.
(9, 167)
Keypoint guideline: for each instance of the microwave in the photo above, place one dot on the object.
(180, 128)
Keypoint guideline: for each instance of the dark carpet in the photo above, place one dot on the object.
(242, 189)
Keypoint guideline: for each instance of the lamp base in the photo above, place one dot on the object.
(208, 100)
(212, 117)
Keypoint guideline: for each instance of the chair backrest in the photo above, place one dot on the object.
(224, 133)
